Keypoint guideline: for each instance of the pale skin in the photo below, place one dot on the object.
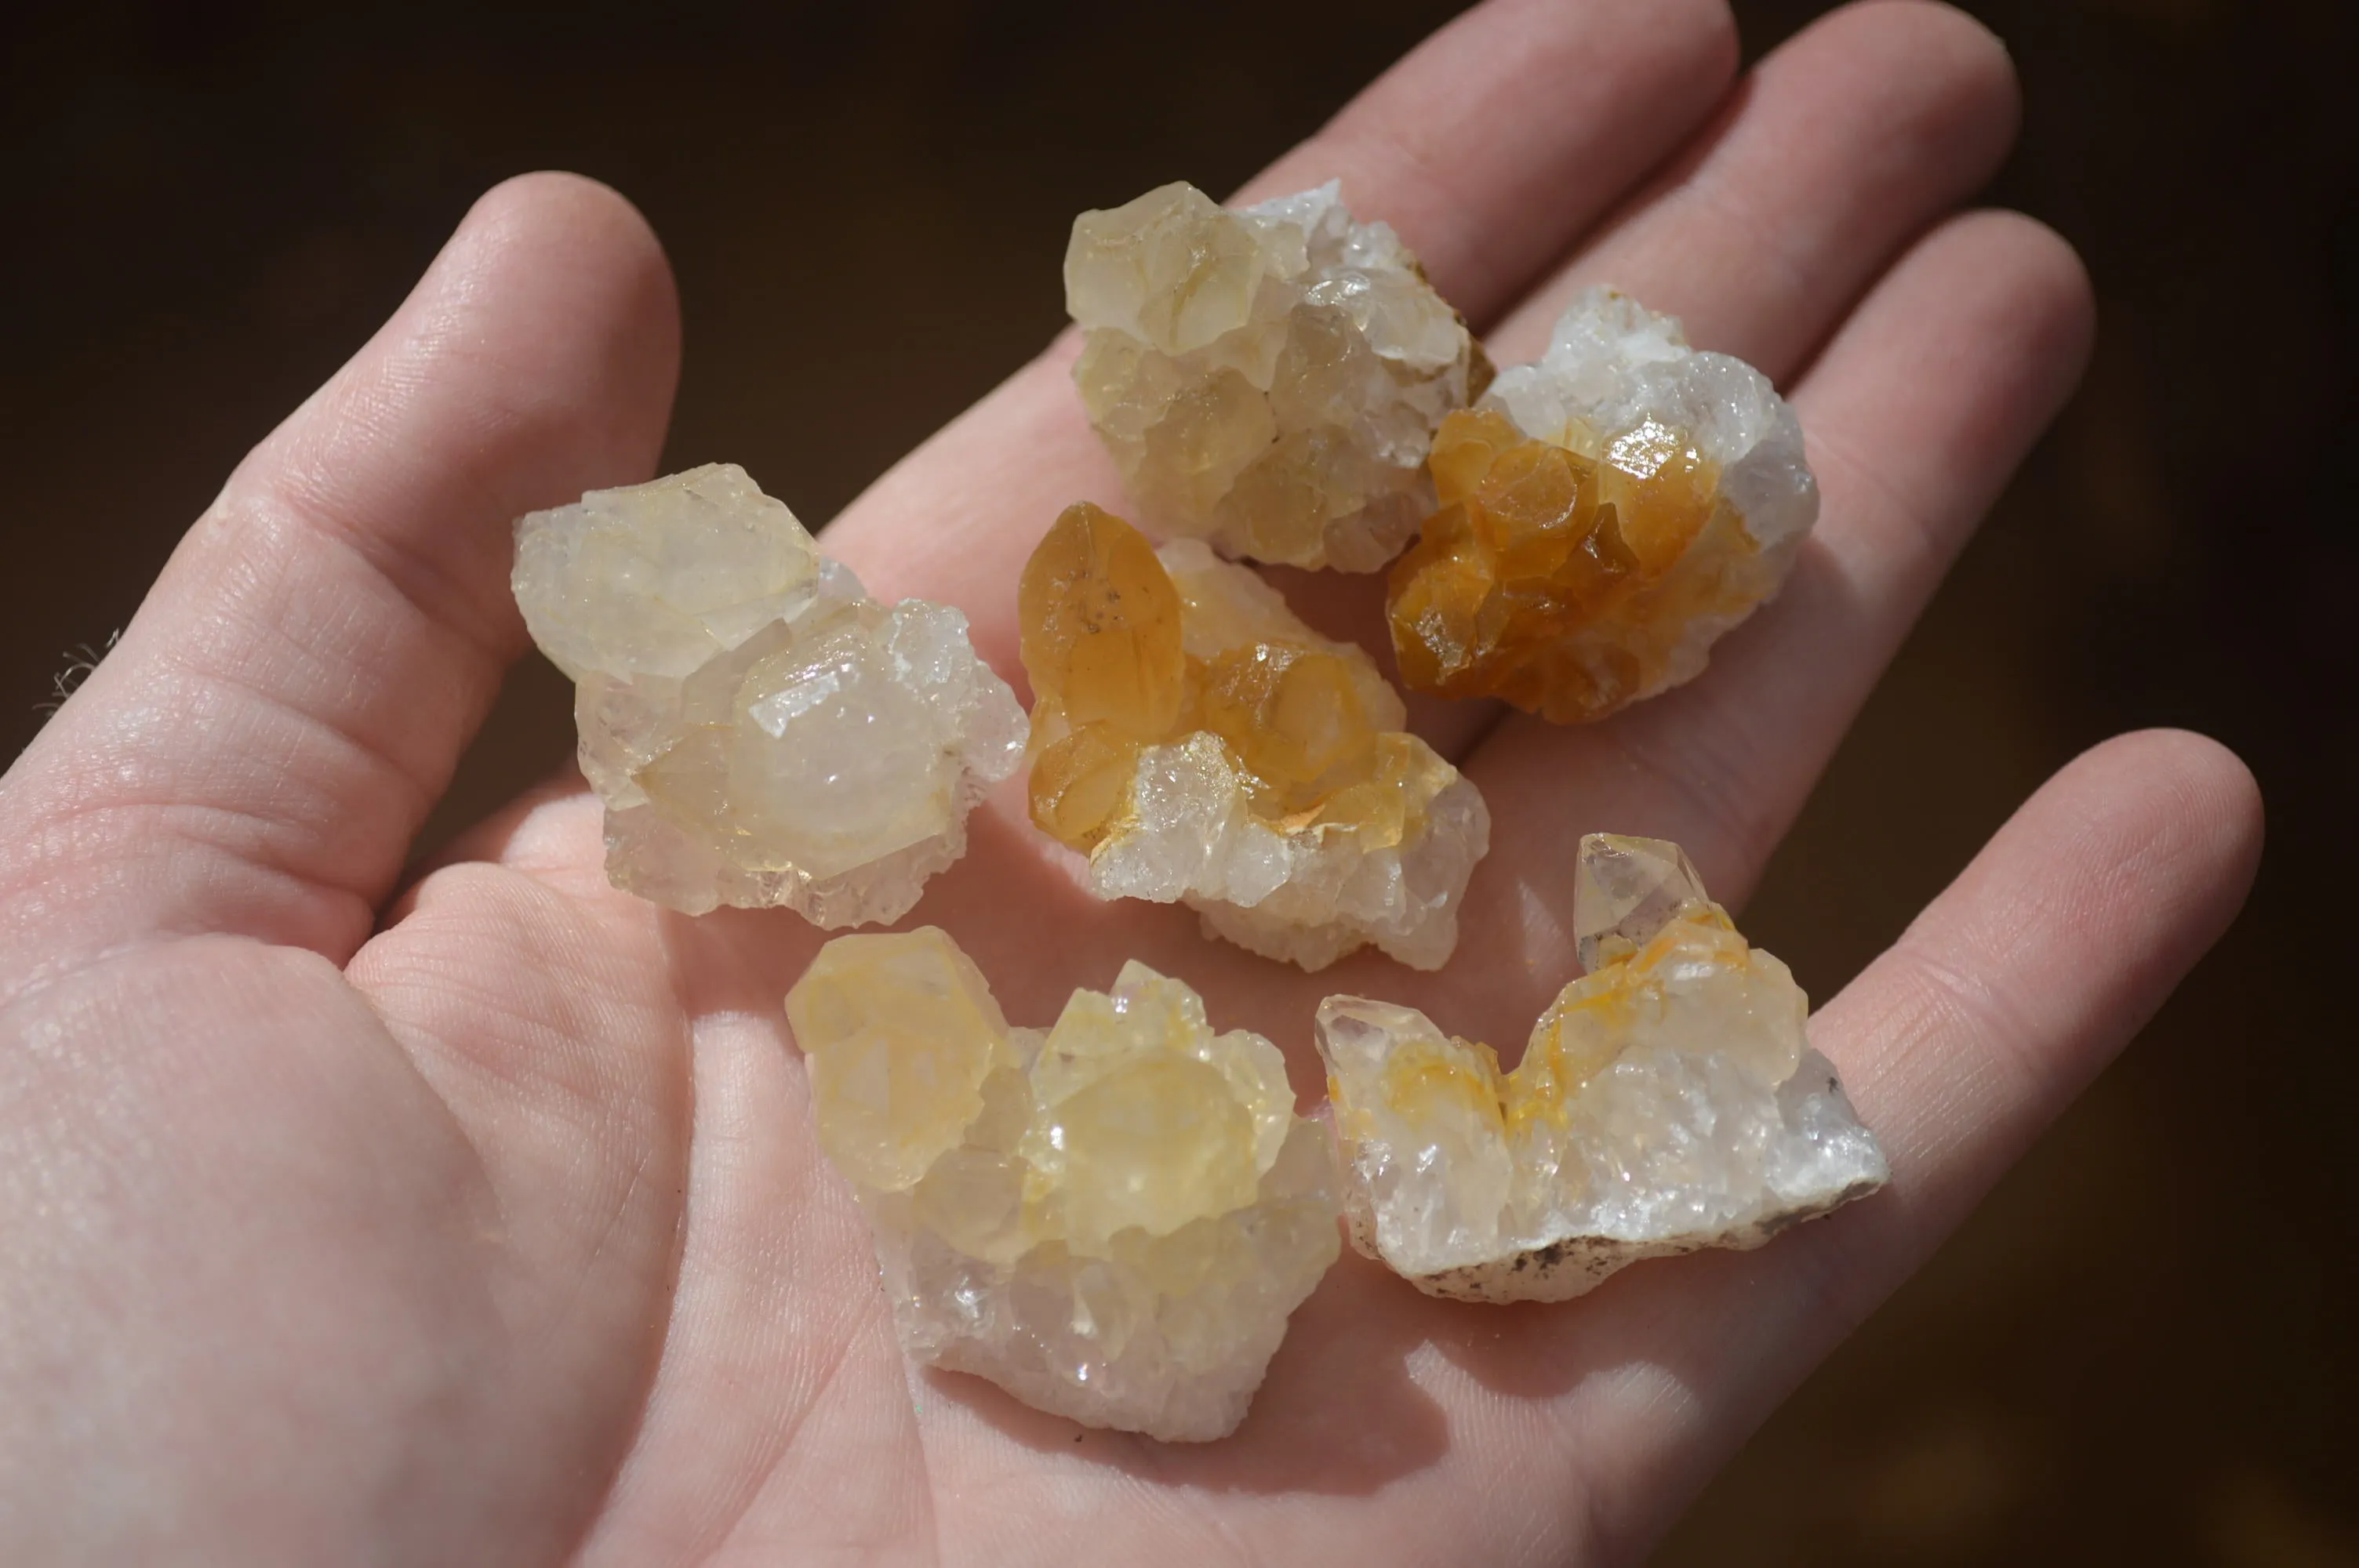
(478, 1217)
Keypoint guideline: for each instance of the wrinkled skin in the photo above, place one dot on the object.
(479, 1219)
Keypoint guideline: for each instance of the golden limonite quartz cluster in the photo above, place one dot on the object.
(1605, 514)
(1668, 1101)
(1202, 745)
(1270, 377)
(761, 732)
(1112, 1219)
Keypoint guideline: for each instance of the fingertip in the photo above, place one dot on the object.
(2223, 782)
(1937, 21)
(1986, 325)
(1972, 56)
(2135, 856)
(2115, 877)
(1974, 101)
(2055, 294)
(1495, 143)
(582, 212)
(2193, 808)
(2022, 280)
(2007, 269)
(595, 260)
(1718, 43)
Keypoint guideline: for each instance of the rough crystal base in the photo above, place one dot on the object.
(1668, 1101)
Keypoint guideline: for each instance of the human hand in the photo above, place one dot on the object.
(489, 1226)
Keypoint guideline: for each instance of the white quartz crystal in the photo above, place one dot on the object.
(1668, 1101)
(1111, 1219)
(1268, 378)
(760, 730)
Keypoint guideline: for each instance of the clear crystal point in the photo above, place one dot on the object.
(1624, 889)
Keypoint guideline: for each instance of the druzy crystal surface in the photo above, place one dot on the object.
(1270, 377)
(1604, 515)
(1200, 744)
(1668, 1101)
(760, 730)
(1112, 1219)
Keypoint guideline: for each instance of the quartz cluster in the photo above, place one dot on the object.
(1114, 1217)
(1605, 514)
(1267, 378)
(760, 730)
(1668, 1101)
(1111, 1219)
(1201, 744)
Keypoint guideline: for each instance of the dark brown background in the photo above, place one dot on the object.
(2142, 1349)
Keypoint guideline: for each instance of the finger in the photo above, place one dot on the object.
(1841, 147)
(1500, 140)
(1489, 147)
(1915, 415)
(255, 754)
(1959, 1046)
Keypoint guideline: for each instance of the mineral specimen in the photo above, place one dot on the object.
(1111, 1220)
(1668, 1101)
(760, 730)
(1201, 744)
(1605, 514)
(1267, 378)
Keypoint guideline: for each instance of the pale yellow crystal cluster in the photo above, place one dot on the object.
(1668, 1100)
(1201, 744)
(1267, 378)
(760, 730)
(1112, 1219)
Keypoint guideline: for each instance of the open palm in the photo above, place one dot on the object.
(489, 1226)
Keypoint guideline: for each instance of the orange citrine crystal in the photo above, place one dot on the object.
(1202, 745)
(1567, 582)
(1101, 629)
(1102, 643)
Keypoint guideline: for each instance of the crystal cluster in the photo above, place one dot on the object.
(1668, 1101)
(1201, 744)
(1269, 378)
(1111, 1219)
(760, 730)
(1605, 514)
